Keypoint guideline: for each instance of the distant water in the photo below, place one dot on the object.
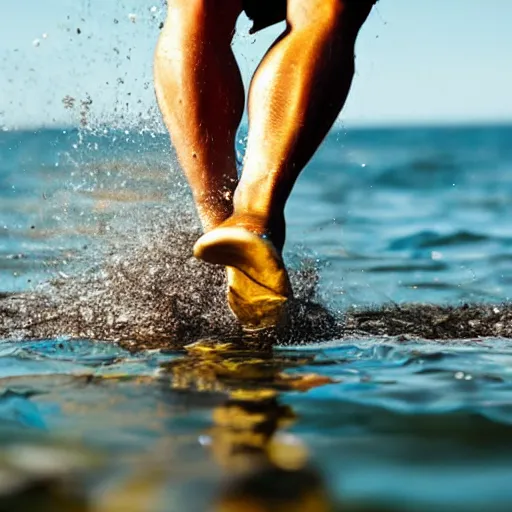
(381, 216)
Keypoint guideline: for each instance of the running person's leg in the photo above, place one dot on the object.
(201, 96)
(295, 96)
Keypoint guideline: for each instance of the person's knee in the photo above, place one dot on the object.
(304, 13)
(328, 15)
(219, 14)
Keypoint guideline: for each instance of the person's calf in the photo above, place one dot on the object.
(201, 96)
(295, 96)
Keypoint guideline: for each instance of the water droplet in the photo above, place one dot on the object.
(205, 440)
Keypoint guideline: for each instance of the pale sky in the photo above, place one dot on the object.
(431, 61)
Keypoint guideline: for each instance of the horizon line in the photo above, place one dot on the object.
(338, 126)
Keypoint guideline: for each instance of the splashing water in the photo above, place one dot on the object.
(137, 283)
(132, 277)
(152, 295)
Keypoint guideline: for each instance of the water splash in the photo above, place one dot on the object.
(153, 294)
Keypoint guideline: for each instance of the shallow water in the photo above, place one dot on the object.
(382, 216)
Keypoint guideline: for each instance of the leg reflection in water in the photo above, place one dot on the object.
(267, 469)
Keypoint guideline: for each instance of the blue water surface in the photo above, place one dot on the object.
(388, 215)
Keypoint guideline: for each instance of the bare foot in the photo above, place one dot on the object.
(258, 284)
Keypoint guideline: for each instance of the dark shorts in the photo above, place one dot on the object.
(264, 13)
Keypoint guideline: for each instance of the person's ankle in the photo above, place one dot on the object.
(253, 222)
(213, 210)
(271, 227)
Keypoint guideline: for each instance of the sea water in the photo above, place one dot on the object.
(380, 216)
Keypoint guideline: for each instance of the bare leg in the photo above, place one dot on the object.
(296, 95)
(200, 93)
